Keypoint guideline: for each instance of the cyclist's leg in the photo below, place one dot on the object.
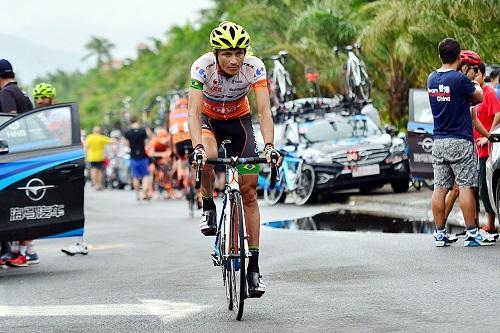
(244, 142)
(209, 216)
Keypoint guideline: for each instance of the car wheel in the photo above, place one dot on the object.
(273, 196)
(400, 186)
(305, 186)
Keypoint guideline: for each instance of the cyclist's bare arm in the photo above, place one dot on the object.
(265, 116)
(195, 106)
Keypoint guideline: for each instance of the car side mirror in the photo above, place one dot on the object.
(4, 147)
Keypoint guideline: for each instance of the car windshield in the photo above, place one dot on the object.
(422, 112)
(339, 128)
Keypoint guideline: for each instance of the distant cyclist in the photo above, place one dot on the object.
(159, 149)
(219, 109)
(181, 140)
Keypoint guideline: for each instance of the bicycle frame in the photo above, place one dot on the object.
(353, 66)
(291, 182)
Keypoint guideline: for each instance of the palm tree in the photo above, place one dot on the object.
(101, 49)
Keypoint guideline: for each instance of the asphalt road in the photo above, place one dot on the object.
(149, 270)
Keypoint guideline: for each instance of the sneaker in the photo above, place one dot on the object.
(18, 261)
(256, 287)
(441, 239)
(476, 239)
(207, 223)
(77, 248)
(491, 231)
(487, 235)
(32, 258)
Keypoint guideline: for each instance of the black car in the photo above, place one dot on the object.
(41, 174)
(348, 152)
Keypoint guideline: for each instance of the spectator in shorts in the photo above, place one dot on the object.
(136, 137)
(95, 143)
(450, 94)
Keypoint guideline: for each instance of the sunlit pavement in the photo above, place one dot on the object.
(149, 270)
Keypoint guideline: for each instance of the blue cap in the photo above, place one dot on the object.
(6, 68)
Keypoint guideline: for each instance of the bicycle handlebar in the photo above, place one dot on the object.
(234, 161)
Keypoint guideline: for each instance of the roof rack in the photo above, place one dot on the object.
(315, 107)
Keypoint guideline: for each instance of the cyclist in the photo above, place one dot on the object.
(181, 142)
(219, 109)
(159, 149)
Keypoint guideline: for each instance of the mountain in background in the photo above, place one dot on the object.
(31, 60)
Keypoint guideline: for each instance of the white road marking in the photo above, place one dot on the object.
(165, 310)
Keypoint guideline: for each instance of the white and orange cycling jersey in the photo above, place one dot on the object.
(225, 97)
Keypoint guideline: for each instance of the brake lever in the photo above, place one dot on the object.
(199, 161)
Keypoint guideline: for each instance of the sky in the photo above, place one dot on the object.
(65, 26)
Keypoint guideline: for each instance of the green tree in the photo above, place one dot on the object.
(99, 48)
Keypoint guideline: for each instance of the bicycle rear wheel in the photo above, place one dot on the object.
(238, 257)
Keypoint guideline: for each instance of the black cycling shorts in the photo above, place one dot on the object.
(182, 147)
(239, 131)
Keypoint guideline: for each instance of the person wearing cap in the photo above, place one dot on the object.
(12, 99)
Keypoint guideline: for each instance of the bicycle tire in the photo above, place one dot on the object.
(364, 89)
(226, 276)
(273, 196)
(302, 195)
(238, 269)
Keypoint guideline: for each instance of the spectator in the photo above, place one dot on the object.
(95, 143)
(488, 112)
(450, 94)
(494, 81)
(12, 99)
(136, 137)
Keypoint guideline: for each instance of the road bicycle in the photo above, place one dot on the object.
(355, 80)
(281, 87)
(230, 250)
(295, 177)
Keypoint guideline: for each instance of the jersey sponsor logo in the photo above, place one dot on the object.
(442, 93)
(248, 65)
(259, 71)
(202, 73)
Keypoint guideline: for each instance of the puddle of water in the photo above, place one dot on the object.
(347, 220)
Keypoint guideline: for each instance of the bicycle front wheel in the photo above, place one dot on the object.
(238, 256)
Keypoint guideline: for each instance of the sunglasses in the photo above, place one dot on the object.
(475, 69)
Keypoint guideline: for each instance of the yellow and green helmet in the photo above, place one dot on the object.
(44, 89)
(229, 35)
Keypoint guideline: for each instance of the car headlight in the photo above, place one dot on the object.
(315, 156)
(398, 146)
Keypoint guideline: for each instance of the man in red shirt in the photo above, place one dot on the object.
(488, 113)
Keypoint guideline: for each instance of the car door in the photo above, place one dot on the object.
(420, 129)
(41, 174)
